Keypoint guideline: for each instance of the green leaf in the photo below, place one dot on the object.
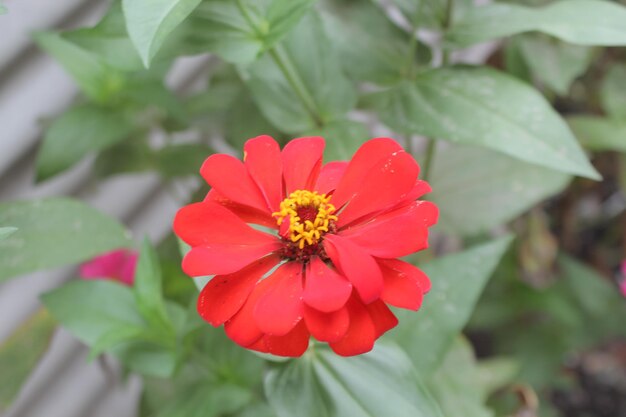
(579, 281)
(239, 31)
(109, 41)
(484, 107)
(92, 309)
(554, 63)
(54, 232)
(181, 160)
(207, 400)
(118, 336)
(613, 91)
(456, 384)
(322, 384)
(131, 156)
(425, 13)
(76, 133)
(148, 289)
(457, 281)
(477, 189)
(598, 133)
(149, 22)
(370, 46)
(94, 76)
(21, 353)
(3, 9)
(7, 231)
(343, 138)
(581, 22)
(309, 56)
(100, 313)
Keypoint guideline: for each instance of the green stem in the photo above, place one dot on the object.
(413, 43)
(447, 21)
(428, 160)
(282, 61)
(286, 67)
(432, 143)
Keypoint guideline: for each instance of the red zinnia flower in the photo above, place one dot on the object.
(330, 268)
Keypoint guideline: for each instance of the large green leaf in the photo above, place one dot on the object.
(76, 133)
(322, 384)
(21, 352)
(598, 133)
(457, 281)
(104, 315)
(477, 189)
(149, 22)
(582, 22)
(613, 91)
(554, 63)
(240, 30)
(311, 62)
(53, 233)
(482, 106)
(91, 309)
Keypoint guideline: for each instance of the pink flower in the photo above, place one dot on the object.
(118, 265)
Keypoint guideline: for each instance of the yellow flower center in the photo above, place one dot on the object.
(310, 215)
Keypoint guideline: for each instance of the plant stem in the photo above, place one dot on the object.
(447, 21)
(286, 67)
(282, 61)
(413, 43)
(445, 59)
(428, 160)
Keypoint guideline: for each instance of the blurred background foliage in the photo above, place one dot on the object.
(505, 146)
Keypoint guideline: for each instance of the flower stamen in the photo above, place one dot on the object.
(310, 216)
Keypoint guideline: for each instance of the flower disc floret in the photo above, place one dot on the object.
(310, 216)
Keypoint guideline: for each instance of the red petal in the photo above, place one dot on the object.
(389, 181)
(229, 176)
(224, 295)
(224, 259)
(302, 160)
(263, 160)
(361, 334)
(396, 233)
(242, 328)
(245, 213)
(382, 317)
(327, 327)
(293, 344)
(405, 285)
(324, 289)
(330, 175)
(208, 223)
(356, 265)
(360, 165)
(280, 309)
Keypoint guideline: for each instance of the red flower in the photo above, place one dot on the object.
(330, 268)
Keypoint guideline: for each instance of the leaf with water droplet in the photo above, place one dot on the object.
(484, 107)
